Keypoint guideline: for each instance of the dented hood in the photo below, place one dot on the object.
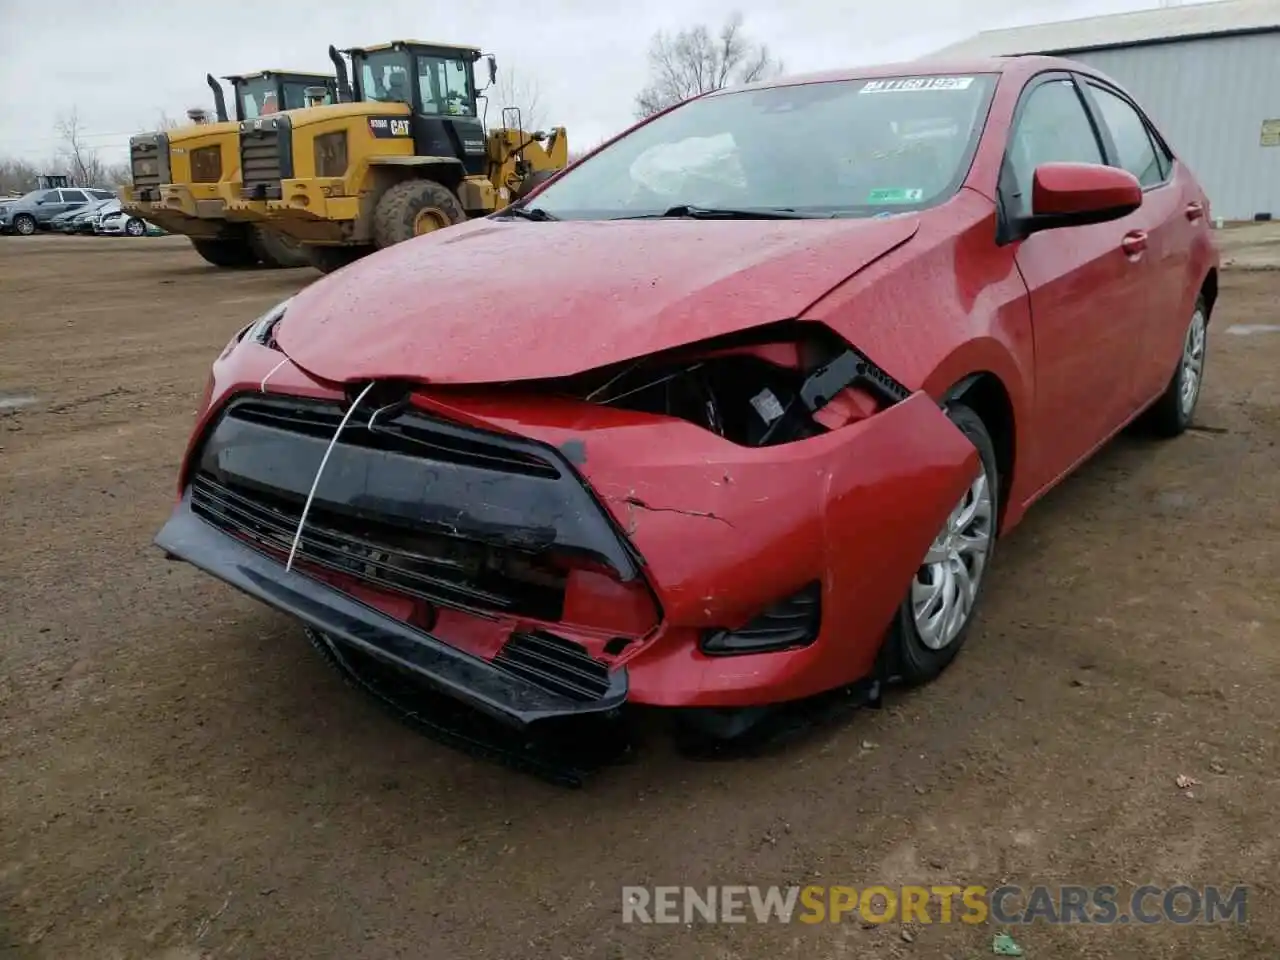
(492, 301)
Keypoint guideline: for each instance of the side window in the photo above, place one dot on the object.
(1052, 127)
(102, 194)
(74, 196)
(1134, 148)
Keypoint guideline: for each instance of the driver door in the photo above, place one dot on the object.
(1082, 288)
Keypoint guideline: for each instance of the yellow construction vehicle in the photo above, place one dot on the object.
(404, 152)
(176, 173)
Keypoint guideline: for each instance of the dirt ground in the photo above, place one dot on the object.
(182, 778)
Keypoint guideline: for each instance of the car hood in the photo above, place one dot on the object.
(492, 301)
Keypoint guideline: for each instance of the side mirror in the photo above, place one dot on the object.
(493, 69)
(1077, 194)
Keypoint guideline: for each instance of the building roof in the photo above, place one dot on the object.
(1160, 25)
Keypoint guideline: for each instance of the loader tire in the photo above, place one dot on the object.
(276, 250)
(532, 182)
(231, 254)
(329, 259)
(412, 208)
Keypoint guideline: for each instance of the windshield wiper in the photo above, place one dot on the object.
(721, 213)
(531, 213)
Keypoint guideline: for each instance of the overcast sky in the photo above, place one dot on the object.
(121, 65)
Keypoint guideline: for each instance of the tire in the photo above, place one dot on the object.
(914, 657)
(533, 181)
(229, 254)
(412, 208)
(24, 224)
(329, 259)
(277, 251)
(134, 227)
(1173, 412)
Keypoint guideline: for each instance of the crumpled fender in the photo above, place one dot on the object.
(724, 530)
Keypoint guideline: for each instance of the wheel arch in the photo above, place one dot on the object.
(1209, 290)
(986, 394)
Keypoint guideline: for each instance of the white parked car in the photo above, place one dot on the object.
(112, 220)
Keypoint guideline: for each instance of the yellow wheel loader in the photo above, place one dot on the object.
(404, 153)
(176, 174)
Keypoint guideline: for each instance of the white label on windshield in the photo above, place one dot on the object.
(904, 84)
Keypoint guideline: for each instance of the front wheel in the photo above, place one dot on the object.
(328, 259)
(414, 207)
(229, 254)
(135, 227)
(24, 224)
(276, 250)
(933, 621)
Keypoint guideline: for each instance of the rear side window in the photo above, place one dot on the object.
(74, 196)
(1135, 150)
(1052, 127)
(102, 194)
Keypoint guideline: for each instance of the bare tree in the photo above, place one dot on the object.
(17, 177)
(85, 166)
(514, 89)
(164, 122)
(693, 62)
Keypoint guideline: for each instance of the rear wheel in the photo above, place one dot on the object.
(275, 249)
(231, 254)
(1172, 413)
(329, 259)
(933, 621)
(135, 227)
(412, 208)
(24, 224)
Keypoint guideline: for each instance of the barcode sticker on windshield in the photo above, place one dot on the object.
(905, 84)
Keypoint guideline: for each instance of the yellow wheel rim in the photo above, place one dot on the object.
(428, 220)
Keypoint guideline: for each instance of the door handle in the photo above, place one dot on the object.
(1194, 210)
(1134, 242)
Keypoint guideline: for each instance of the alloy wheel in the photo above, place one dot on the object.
(1192, 363)
(946, 585)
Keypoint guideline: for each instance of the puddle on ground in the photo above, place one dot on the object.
(15, 403)
(1247, 329)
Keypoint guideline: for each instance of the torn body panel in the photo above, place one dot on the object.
(724, 530)
(461, 516)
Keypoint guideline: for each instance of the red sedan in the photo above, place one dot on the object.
(728, 414)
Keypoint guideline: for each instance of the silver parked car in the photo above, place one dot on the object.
(36, 209)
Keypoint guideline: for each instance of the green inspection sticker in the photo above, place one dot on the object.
(895, 195)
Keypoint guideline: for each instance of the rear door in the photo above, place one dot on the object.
(1168, 219)
(1082, 286)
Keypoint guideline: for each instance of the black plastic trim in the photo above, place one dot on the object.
(459, 675)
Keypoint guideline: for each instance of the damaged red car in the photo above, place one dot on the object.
(730, 413)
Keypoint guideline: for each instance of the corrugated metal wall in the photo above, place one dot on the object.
(1210, 98)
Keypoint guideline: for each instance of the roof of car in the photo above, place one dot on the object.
(923, 67)
(286, 73)
(439, 45)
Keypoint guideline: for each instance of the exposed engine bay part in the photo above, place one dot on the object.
(777, 385)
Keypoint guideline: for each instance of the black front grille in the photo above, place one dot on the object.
(148, 161)
(264, 160)
(554, 663)
(406, 432)
(455, 573)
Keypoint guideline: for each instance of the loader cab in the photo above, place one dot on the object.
(437, 83)
(262, 94)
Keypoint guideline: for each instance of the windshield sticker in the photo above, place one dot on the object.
(895, 195)
(906, 84)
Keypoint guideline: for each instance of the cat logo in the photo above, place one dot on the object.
(399, 128)
(383, 128)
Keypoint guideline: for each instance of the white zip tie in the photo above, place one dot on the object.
(263, 387)
(297, 536)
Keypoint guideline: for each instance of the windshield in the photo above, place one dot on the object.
(295, 93)
(258, 97)
(840, 148)
(384, 77)
(445, 86)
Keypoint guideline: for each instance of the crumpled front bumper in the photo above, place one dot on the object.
(453, 672)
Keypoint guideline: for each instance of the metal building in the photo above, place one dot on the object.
(1208, 74)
